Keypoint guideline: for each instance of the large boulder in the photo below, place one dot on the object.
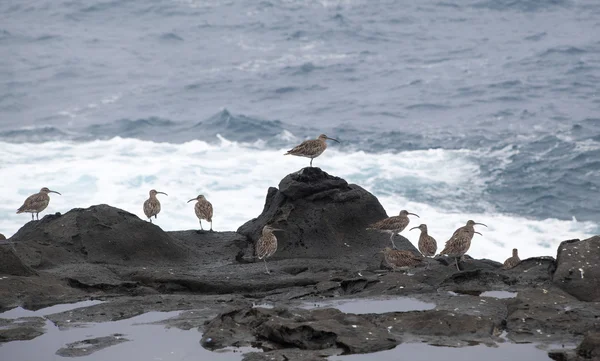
(322, 217)
(578, 268)
(10, 264)
(98, 234)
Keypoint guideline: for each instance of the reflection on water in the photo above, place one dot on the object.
(424, 352)
(147, 342)
(498, 294)
(21, 312)
(362, 306)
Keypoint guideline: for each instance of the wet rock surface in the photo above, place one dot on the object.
(91, 345)
(325, 254)
(578, 268)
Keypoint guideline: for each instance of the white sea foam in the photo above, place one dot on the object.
(235, 178)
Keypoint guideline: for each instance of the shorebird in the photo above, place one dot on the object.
(460, 241)
(311, 148)
(36, 203)
(203, 209)
(427, 244)
(266, 245)
(400, 259)
(513, 261)
(152, 205)
(392, 225)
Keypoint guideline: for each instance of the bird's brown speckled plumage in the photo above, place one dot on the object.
(401, 259)
(266, 245)
(203, 209)
(152, 205)
(513, 261)
(427, 244)
(392, 225)
(460, 242)
(311, 148)
(36, 203)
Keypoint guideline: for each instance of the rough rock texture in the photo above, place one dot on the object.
(11, 264)
(90, 345)
(323, 216)
(325, 256)
(99, 234)
(578, 268)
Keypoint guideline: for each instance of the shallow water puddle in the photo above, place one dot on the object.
(498, 294)
(362, 306)
(19, 312)
(146, 341)
(425, 352)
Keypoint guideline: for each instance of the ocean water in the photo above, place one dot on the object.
(454, 110)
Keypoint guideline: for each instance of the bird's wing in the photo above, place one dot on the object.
(266, 246)
(33, 202)
(390, 223)
(205, 209)
(305, 147)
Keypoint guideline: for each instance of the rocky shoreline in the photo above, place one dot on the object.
(325, 254)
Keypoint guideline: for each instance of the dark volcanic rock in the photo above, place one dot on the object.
(10, 264)
(323, 217)
(304, 329)
(590, 346)
(578, 268)
(99, 234)
(25, 328)
(90, 345)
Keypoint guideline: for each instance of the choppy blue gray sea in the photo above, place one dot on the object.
(455, 110)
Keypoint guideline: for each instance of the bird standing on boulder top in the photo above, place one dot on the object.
(392, 225)
(401, 259)
(460, 241)
(427, 244)
(513, 261)
(203, 209)
(311, 148)
(36, 203)
(266, 245)
(152, 205)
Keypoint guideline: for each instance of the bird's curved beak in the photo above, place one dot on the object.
(481, 224)
(479, 233)
(335, 140)
(193, 199)
(413, 228)
(414, 214)
(163, 193)
(54, 192)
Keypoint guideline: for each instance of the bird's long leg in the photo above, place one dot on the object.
(37, 216)
(311, 162)
(32, 216)
(201, 225)
(265, 259)
(211, 226)
(392, 239)
(456, 259)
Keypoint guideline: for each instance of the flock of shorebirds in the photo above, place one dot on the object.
(456, 247)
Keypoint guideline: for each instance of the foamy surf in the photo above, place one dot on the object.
(442, 186)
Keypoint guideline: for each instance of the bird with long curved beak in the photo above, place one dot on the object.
(311, 148)
(36, 203)
(392, 225)
(460, 242)
(152, 205)
(203, 209)
(427, 245)
(266, 245)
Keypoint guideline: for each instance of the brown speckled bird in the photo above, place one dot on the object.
(311, 148)
(401, 259)
(203, 209)
(460, 241)
(513, 261)
(152, 205)
(36, 203)
(427, 244)
(266, 245)
(392, 225)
